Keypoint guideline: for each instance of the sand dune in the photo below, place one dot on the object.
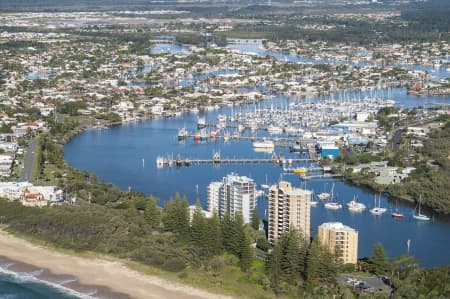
(114, 280)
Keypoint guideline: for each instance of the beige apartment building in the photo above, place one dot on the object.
(289, 207)
(341, 240)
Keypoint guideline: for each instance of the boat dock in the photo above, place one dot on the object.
(303, 170)
(278, 141)
(312, 151)
(217, 160)
(319, 176)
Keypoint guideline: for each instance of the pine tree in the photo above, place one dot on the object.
(255, 220)
(379, 259)
(274, 267)
(226, 229)
(312, 261)
(152, 212)
(303, 254)
(245, 254)
(232, 231)
(183, 218)
(176, 216)
(290, 262)
(198, 227)
(214, 234)
(327, 266)
(238, 234)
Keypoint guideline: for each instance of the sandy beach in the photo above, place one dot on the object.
(108, 279)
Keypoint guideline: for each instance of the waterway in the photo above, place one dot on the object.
(125, 156)
(257, 49)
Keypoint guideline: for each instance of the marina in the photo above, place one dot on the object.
(128, 127)
(116, 154)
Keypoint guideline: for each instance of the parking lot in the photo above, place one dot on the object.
(368, 284)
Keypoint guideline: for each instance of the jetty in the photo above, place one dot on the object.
(217, 160)
(319, 176)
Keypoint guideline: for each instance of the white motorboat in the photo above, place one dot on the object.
(263, 144)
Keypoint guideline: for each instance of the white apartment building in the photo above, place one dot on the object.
(235, 194)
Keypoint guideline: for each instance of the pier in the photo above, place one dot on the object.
(217, 160)
(319, 176)
(278, 141)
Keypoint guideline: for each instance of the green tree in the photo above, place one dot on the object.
(379, 260)
(262, 244)
(214, 234)
(245, 254)
(255, 220)
(5, 129)
(230, 235)
(290, 260)
(152, 212)
(176, 216)
(274, 268)
(198, 227)
(312, 261)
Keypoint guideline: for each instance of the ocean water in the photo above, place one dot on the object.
(17, 286)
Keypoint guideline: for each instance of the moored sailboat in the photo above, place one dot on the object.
(397, 214)
(355, 206)
(378, 210)
(420, 216)
(332, 205)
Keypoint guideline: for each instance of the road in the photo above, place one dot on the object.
(28, 161)
(397, 139)
(397, 134)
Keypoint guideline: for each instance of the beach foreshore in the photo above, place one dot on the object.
(96, 277)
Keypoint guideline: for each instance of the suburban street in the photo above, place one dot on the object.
(397, 139)
(28, 161)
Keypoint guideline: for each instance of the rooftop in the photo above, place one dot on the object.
(337, 226)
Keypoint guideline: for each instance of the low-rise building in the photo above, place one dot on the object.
(391, 175)
(31, 195)
(32, 199)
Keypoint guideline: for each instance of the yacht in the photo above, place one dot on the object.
(418, 215)
(397, 214)
(333, 206)
(221, 118)
(201, 123)
(355, 206)
(182, 133)
(323, 196)
(274, 130)
(160, 162)
(264, 144)
(378, 210)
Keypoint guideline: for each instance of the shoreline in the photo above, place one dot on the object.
(88, 277)
(354, 182)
